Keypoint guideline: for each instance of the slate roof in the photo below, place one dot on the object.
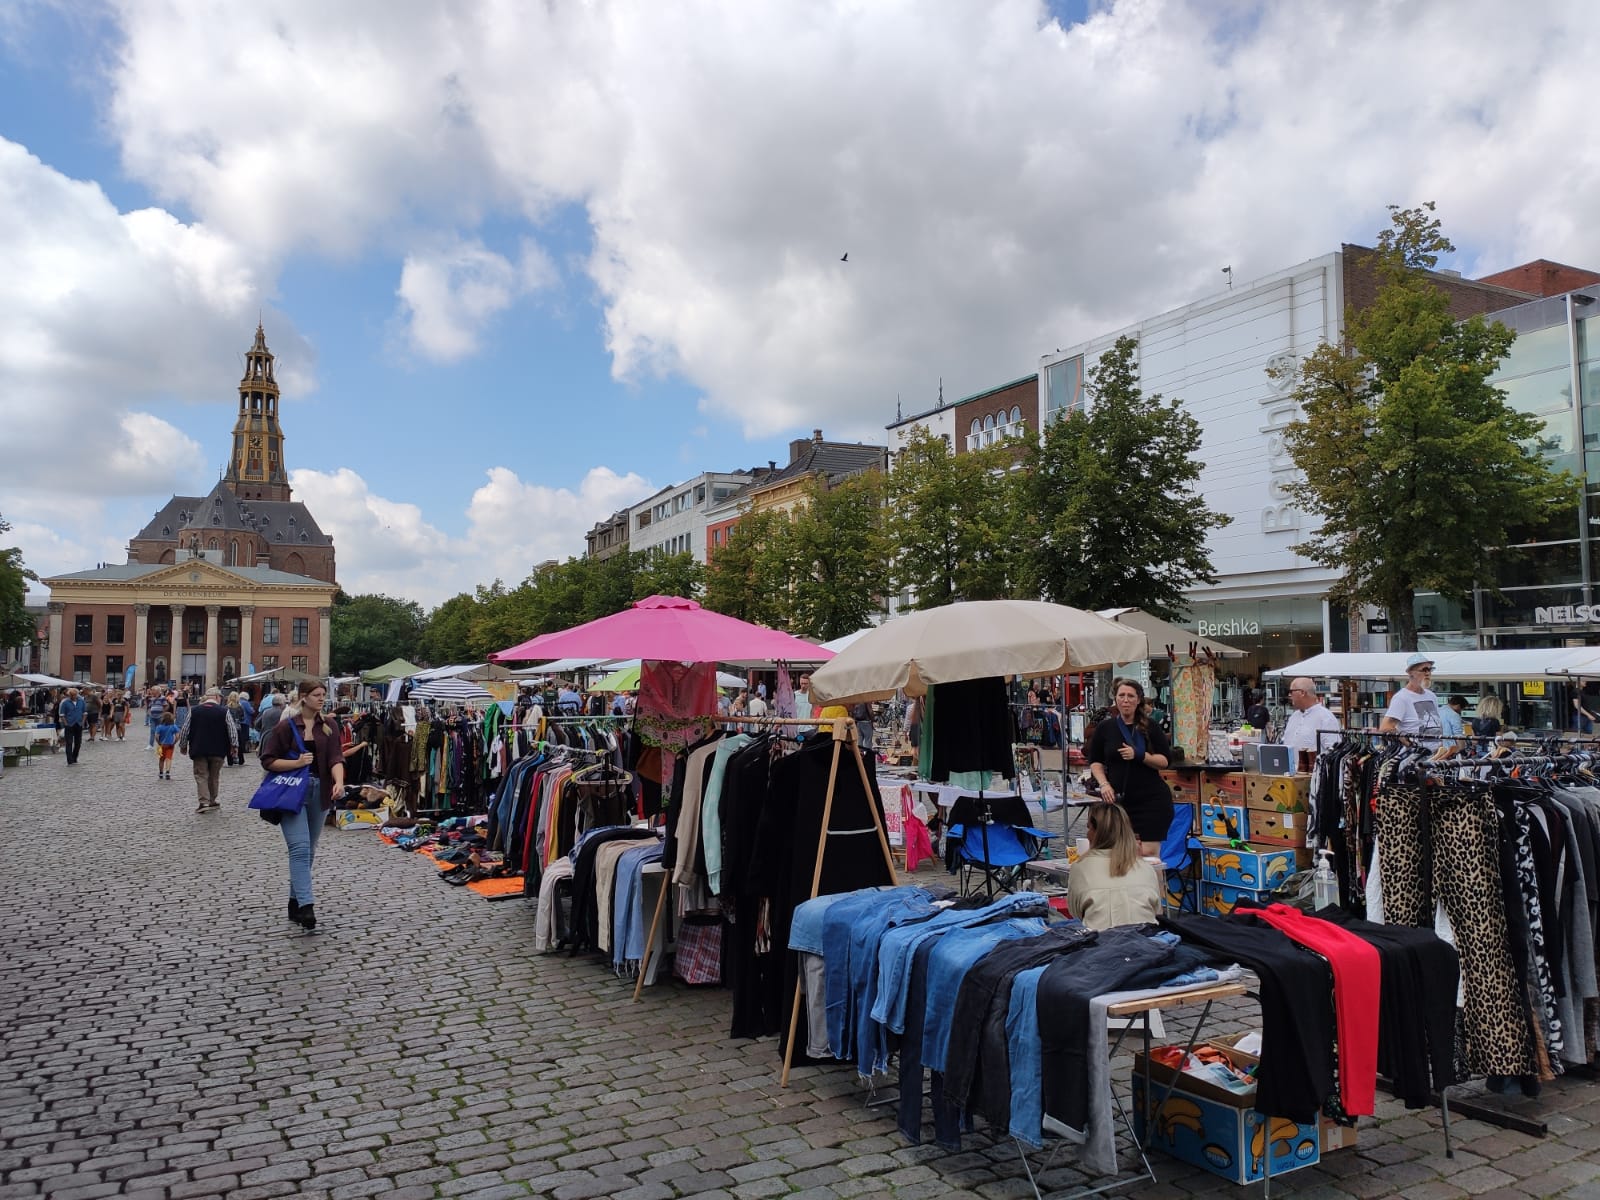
(220, 511)
(833, 460)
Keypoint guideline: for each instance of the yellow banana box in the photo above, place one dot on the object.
(1253, 868)
(1218, 1130)
(1225, 821)
(1278, 793)
(1279, 828)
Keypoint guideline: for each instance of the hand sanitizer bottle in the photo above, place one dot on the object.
(1325, 884)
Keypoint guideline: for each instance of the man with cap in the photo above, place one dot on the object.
(209, 737)
(1414, 711)
(1308, 717)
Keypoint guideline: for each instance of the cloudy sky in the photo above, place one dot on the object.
(523, 263)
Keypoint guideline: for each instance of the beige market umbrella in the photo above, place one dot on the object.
(973, 640)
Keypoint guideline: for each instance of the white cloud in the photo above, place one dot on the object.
(448, 294)
(107, 321)
(1002, 185)
(388, 546)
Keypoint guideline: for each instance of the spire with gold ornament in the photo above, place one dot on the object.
(256, 469)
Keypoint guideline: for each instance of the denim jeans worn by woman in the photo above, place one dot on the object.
(300, 833)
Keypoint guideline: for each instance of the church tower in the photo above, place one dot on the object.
(255, 469)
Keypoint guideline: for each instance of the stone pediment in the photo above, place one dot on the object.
(195, 572)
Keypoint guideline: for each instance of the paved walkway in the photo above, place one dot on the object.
(166, 1032)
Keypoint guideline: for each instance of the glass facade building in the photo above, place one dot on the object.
(1547, 587)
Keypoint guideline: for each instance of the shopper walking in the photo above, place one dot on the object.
(71, 714)
(241, 738)
(209, 739)
(91, 715)
(165, 733)
(119, 714)
(305, 738)
(154, 710)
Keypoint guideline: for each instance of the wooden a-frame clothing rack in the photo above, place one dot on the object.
(844, 733)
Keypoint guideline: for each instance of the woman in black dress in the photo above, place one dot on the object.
(1125, 754)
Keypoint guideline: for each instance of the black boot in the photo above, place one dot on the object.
(306, 917)
(294, 911)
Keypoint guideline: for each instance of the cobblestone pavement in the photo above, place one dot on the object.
(168, 1033)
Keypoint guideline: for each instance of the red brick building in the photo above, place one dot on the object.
(214, 585)
(250, 519)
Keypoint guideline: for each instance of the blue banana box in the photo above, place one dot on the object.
(1218, 1130)
(1218, 900)
(1253, 868)
(1226, 821)
(1182, 893)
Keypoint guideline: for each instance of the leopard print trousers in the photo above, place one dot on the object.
(1444, 844)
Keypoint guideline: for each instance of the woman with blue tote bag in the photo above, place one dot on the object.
(305, 740)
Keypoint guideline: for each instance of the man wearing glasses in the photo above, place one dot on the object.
(1310, 716)
(1414, 711)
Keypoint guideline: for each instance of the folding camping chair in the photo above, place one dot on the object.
(1179, 858)
(992, 839)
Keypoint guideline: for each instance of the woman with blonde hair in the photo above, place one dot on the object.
(1490, 719)
(1112, 884)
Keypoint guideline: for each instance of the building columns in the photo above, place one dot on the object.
(211, 645)
(52, 662)
(247, 619)
(324, 640)
(141, 644)
(175, 666)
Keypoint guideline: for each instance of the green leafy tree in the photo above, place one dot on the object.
(839, 552)
(503, 617)
(954, 521)
(668, 575)
(1412, 459)
(447, 636)
(750, 576)
(1115, 498)
(370, 629)
(16, 626)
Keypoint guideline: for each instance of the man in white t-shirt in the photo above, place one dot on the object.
(758, 706)
(1414, 711)
(1309, 717)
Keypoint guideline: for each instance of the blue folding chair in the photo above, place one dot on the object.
(1179, 850)
(991, 841)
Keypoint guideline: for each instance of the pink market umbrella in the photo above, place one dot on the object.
(669, 629)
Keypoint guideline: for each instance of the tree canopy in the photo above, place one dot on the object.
(955, 521)
(1412, 458)
(1114, 496)
(16, 626)
(370, 629)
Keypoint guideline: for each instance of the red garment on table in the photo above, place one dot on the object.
(1357, 980)
(919, 846)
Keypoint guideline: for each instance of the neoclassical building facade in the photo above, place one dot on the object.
(214, 586)
(194, 620)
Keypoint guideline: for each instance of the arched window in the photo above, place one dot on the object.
(233, 553)
(975, 426)
(214, 545)
(1016, 416)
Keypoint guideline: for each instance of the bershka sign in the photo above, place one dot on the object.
(1567, 614)
(1237, 627)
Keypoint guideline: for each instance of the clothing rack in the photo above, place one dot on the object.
(843, 731)
(1554, 752)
